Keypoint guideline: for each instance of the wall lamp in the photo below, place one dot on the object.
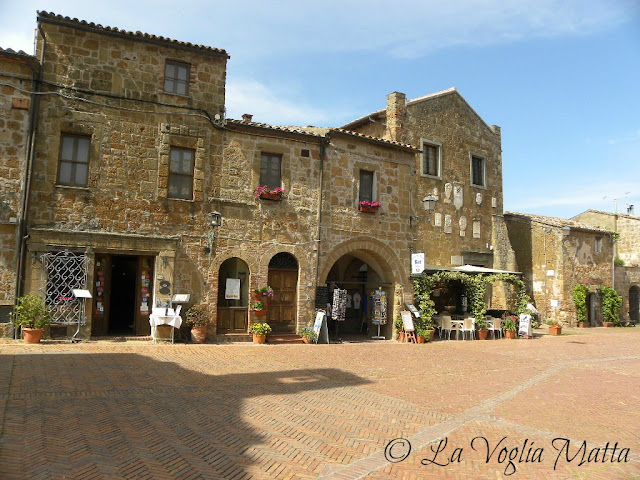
(215, 220)
(429, 203)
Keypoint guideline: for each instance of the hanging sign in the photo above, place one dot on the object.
(417, 263)
(232, 292)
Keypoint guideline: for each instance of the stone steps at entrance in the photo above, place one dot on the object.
(277, 338)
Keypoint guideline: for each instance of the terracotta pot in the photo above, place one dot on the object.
(199, 334)
(555, 330)
(607, 324)
(510, 334)
(583, 325)
(431, 334)
(32, 335)
(367, 208)
(307, 340)
(421, 339)
(260, 313)
(482, 334)
(259, 338)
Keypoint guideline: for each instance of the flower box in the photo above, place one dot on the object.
(266, 193)
(370, 207)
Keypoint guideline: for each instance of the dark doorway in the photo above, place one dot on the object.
(592, 309)
(123, 294)
(634, 304)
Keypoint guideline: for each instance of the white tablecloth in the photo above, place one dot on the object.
(173, 320)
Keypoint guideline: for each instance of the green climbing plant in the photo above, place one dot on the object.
(611, 304)
(579, 294)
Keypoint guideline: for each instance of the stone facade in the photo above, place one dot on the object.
(553, 262)
(106, 88)
(17, 70)
(627, 249)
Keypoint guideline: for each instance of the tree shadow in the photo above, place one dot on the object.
(127, 415)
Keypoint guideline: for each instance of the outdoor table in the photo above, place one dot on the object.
(157, 319)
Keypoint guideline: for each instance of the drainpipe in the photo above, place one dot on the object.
(323, 151)
(33, 128)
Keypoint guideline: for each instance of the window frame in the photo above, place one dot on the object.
(473, 156)
(262, 181)
(438, 146)
(74, 160)
(373, 186)
(173, 174)
(598, 245)
(175, 79)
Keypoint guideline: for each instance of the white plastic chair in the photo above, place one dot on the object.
(497, 325)
(490, 326)
(445, 325)
(469, 326)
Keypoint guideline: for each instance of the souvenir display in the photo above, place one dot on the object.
(339, 304)
(379, 304)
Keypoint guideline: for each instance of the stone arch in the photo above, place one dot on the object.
(373, 252)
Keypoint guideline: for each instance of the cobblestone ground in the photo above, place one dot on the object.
(527, 409)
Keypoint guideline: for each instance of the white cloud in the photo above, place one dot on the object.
(269, 106)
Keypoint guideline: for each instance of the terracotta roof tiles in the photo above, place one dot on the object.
(557, 222)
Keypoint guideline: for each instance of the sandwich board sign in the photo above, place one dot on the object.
(407, 321)
(525, 326)
(320, 328)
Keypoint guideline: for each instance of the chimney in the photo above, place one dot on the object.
(396, 116)
(246, 117)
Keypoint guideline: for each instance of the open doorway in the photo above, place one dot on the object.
(123, 294)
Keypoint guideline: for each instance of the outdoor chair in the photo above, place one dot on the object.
(497, 326)
(468, 326)
(445, 325)
(488, 320)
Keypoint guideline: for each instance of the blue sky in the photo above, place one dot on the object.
(562, 78)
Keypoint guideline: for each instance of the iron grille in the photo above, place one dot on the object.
(63, 271)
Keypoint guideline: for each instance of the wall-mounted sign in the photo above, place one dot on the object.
(417, 263)
(232, 292)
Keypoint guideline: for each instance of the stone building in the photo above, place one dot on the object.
(627, 250)
(555, 255)
(134, 160)
(17, 70)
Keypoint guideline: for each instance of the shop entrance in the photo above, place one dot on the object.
(233, 296)
(122, 295)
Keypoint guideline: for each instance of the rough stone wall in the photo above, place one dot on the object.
(626, 277)
(16, 78)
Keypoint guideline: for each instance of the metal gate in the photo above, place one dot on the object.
(62, 272)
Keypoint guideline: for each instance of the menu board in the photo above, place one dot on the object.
(322, 297)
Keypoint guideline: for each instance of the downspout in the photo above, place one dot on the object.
(323, 151)
(33, 129)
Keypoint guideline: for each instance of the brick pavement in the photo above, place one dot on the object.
(135, 410)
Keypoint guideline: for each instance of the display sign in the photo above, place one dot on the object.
(181, 298)
(411, 307)
(232, 291)
(320, 328)
(525, 325)
(407, 321)
(322, 297)
(80, 293)
(417, 263)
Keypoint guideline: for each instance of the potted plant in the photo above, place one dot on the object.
(263, 293)
(32, 315)
(399, 326)
(510, 326)
(555, 328)
(611, 305)
(259, 330)
(365, 206)
(259, 308)
(481, 328)
(266, 193)
(579, 294)
(429, 326)
(197, 318)
(308, 334)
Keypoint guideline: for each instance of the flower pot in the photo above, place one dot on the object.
(271, 196)
(510, 334)
(583, 325)
(259, 313)
(421, 339)
(259, 338)
(367, 208)
(32, 335)
(431, 334)
(482, 334)
(199, 334)
(555, 330)
(307, 340)
(607, 324)
(401, 337)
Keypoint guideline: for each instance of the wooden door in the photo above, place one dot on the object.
(281, 312)
(232, 319)
(144, 295)
(634, 304)
(101, 294)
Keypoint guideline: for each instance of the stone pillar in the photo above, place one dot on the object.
(396, 116)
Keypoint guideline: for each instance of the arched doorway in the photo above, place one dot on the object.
(233, 296)
(283, 279)
(592, 309)
(634, 304)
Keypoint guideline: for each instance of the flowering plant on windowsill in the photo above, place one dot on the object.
(366, 206)
(265, 192)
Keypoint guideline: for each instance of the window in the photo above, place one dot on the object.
(181, 173)
(365, 193)
(477, 171)
(176, 77)
(74, 160)
(271, 170)
(598, 244)
(430, 159)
